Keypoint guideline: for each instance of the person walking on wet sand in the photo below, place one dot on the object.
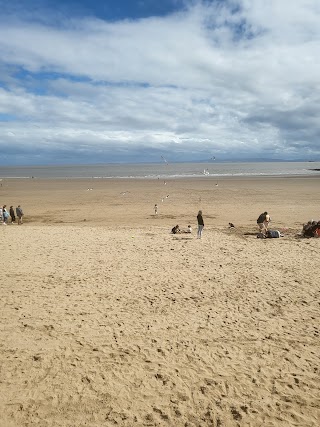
(19, 213)
(200, 224)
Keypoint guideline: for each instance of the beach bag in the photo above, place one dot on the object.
(273, 234)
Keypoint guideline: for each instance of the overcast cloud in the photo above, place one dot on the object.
(237, 79)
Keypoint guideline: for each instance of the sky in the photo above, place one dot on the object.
(98, 81)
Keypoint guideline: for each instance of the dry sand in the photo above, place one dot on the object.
(109, 320)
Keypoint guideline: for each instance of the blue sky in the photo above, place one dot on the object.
(114, 81)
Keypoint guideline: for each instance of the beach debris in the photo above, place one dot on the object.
(231, 225)
(89, 189)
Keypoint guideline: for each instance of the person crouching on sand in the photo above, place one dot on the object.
(263, 222)
(175, 229)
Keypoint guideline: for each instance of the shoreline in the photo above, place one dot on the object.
(169, 178)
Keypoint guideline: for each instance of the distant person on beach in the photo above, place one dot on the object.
(200, 224)
(307, 229)
(20, 214)
(156, 209)
(13, 217)
(311, 229)
(316, 229)
(175, 229)
(263, 222)
(5, 214)
(187, 231)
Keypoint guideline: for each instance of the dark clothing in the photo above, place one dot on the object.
(261, 218)
(175, 229)
(13, 217)
(200, 220)
(19, 212)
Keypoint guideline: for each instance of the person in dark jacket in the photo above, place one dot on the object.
(175, 229)
(13, 217)
(19, 213)
(200, 224)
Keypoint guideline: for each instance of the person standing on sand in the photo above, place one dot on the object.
(19, 213)
(200, 224)
(263, 222)
(156, 209)
(5, 214)
(13, 217)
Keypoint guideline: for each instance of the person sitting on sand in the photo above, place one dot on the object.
(316, 229)
(175, 229)
(187, 231)
(307, 229)
(263, 222)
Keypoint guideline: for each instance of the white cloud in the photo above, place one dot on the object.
(238, 81)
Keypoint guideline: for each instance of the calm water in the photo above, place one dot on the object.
(162, 170)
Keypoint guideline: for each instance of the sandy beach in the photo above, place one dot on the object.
(106, 319)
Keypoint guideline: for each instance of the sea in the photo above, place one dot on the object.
(163, 170)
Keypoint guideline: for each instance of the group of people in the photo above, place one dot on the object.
(176, 228)
(10, 216)
(311, 229)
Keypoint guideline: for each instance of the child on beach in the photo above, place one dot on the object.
(200, 224)
(175, 229)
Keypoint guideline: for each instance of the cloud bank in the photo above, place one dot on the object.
(237, 79)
